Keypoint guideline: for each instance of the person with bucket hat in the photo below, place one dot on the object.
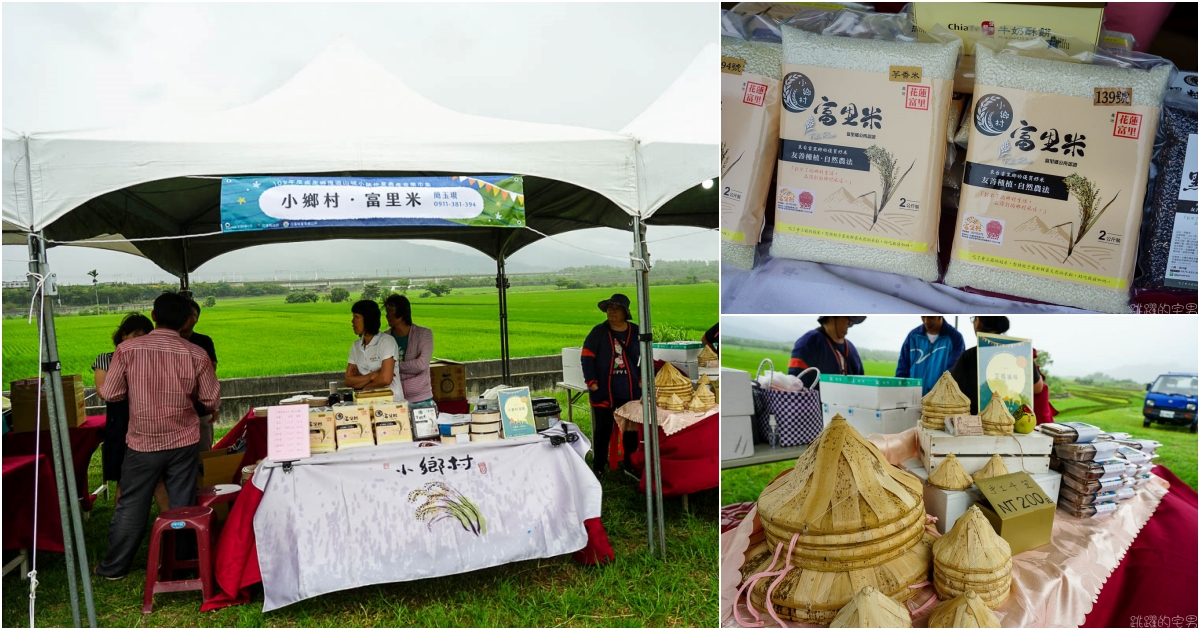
(610, 359)
(827, 349)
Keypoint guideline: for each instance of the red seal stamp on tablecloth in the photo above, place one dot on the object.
(756, 94)
(1127, 125)
(916, 96)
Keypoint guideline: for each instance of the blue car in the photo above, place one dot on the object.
(1171, 399)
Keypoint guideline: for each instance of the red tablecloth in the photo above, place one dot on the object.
(1156, 579)
(236, 567)
(85, 439)
(689, 458)
(20, 471)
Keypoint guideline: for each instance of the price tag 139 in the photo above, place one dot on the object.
(732, 65)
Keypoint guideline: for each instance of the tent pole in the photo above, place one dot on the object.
(502, 287)
(60, 441)
(654, 500)
(185, 287)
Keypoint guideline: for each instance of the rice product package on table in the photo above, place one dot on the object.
(862, 141)
(750, 70)
(1057, 167)
(1088, 511)
(1168, 251)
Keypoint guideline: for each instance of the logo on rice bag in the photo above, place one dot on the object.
(993, 115)
(983, 229)
(798, 92)
(795, 200)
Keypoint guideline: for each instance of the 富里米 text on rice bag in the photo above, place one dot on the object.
(863, 139)
(1056, 174)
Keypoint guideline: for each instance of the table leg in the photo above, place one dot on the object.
(21, 560)
(685, 503)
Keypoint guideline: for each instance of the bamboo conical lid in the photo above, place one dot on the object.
(950, 475)
(669, 375)
(704, 380)
(707, 357)
(671, 382)
(872, 609)
(851, 508)
(964, 611)
(996, 419)
(972, 546)
(946, 397)
(706, 396)
(816, 596)
(698, 406)
(993, 468)
(674, 403)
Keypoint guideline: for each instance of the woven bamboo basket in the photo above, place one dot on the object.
(872, 609)
(857, 521)
(950, 475)
(705, 395)
(708, 358)
(964, 611)
(983, 577)
(992, 598)
(971, 556)
(673, 403)
(946, 395)
(993, 468)
(671, 382)
(939, 576)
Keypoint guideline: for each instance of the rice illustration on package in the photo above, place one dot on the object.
(353, 426)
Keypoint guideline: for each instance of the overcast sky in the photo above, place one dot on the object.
(1138, 347)
(70, 66)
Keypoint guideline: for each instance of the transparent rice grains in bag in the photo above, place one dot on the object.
(863, 137)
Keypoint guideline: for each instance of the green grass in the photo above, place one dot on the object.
(748, 359)
(266, 337)
(634, 591)
(1110, 408)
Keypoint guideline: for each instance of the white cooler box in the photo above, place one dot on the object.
(678, 351)
(737, 440)
(871, 392)
(949, 505)
(868, 421)
(573, 367)
(736, 399)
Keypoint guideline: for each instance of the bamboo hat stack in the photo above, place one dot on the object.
(964, 611)
(945, 399)
(708, 358)
(972, 556)
(857, 521)
(993, 468)
(704, 399)
(670, 381)
(674, 403)
(872, 609)
(950, 475)
(996, 419)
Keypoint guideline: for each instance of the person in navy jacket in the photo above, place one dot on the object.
(610, 359)
(928, 351)
(827, 349)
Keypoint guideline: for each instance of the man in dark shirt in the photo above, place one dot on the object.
(206, 343)
(827, 349)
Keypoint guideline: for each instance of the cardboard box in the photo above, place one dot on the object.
(573, 367)
(1028, 452)
(217, 467)
(23, 397)
(737, 439)
(871, 392)
(391, 423)
(352, 424)
(322, 436)
(868, 421)
(949, 505)
(449, 380)
(678, 351)
(1018, 509)
(736, 399)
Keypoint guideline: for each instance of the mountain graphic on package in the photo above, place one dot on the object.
(516, 412)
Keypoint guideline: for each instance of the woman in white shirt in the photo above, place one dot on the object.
(373, 356)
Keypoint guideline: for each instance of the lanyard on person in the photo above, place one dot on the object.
(840, 359)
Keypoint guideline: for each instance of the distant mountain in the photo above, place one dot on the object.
(843, 199)
(1037, 226)
(1140, 372)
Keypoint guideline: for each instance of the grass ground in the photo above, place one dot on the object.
(265, 336)
(749, 358)
(633, 591)
(1110, 408)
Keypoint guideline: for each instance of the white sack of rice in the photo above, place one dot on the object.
(753, 153)
(1111, 183)
(937, 62)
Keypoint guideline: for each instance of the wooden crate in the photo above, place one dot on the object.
(1030, 452)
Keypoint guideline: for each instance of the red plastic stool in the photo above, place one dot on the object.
(220, 494)
(161, 567)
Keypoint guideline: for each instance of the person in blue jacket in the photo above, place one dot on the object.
(929, 350)
(610, 358)
(827, 349)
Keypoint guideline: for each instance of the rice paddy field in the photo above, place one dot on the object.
(1110, 408)
(635, 590)
(267, 337)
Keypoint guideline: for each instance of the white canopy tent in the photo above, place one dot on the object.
(154, 188)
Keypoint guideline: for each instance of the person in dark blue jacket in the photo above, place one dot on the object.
(827, 349)
(929, 350)
(610, 359)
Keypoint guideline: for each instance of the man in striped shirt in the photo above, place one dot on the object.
(162, 375)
